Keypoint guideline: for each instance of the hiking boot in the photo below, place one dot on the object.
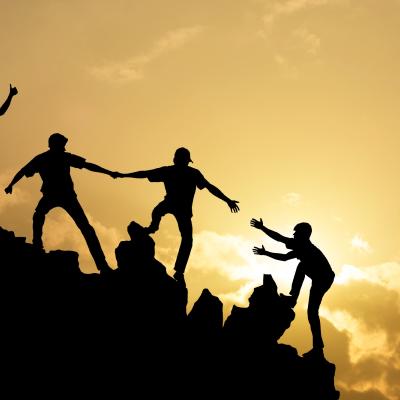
(105, 269)
(315, 352)
(289, 300)
(38, 246)
(178, 276)
(151, 229)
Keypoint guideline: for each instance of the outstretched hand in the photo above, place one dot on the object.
(13, 90)
(233, 205)
(257, 224)
(8, 189)
(260, 251)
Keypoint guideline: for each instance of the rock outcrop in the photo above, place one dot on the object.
(129, 328)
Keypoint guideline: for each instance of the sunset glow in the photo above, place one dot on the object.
(289, 106)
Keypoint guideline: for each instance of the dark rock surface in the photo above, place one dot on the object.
(129, 330)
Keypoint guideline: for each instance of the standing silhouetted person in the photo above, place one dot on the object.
(53, 166)
(6, 104)
(312, 263)
(180, 183)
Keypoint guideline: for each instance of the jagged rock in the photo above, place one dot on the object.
(141, 279)
(264, 321)
(130, 326)
(206, 317)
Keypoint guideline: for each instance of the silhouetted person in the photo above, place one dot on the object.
(180, 183)
(53, 166)
(312, 263)
(6, 104)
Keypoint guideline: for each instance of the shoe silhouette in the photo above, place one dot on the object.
(315, 352)
(178, 276)
(290, 300)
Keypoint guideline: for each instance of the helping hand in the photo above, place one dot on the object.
(260, 251)
(233, 206)
(257, 224)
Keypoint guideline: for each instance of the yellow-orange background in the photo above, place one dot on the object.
(290, 107)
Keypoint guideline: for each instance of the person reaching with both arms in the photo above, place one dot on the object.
(312, 263)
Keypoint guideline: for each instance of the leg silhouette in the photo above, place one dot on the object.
(317, 292)
(75, 210)
(159, 211)
(297, 282)
(39, 216)
(186, 230)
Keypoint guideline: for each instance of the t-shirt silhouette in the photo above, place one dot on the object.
(54, 169)
(180, 185)
(314, 263)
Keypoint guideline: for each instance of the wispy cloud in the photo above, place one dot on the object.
(357, 242)
(365, 303)
(133, 68)
(292, 198)
(309, 40)
(279, 8)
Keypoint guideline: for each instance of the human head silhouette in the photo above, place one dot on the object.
(57, 142)
(302, 231)
(182, 156)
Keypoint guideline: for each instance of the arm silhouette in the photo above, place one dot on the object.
(101, 170)
(6, 104)
(137, 174)
(269, 232)
(260, 251)
(232, 204)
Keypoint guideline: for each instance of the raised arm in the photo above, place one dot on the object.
(6, 104)
(217, 193)
(269, 232)
(276, 256)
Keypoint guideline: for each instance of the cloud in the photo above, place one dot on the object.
(386, 275)
(227, 266)
(372, 394)
(311, 42)
(365, 303)
(276, 9)
(133, 68)
(292, 198)
(359, 243)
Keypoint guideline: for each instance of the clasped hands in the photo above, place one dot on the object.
(116, 174)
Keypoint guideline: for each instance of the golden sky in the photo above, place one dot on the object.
(289, 106)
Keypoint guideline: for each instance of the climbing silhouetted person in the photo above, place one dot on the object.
(7, 102)
(180, 183)
(312, 263)
(53, 166)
